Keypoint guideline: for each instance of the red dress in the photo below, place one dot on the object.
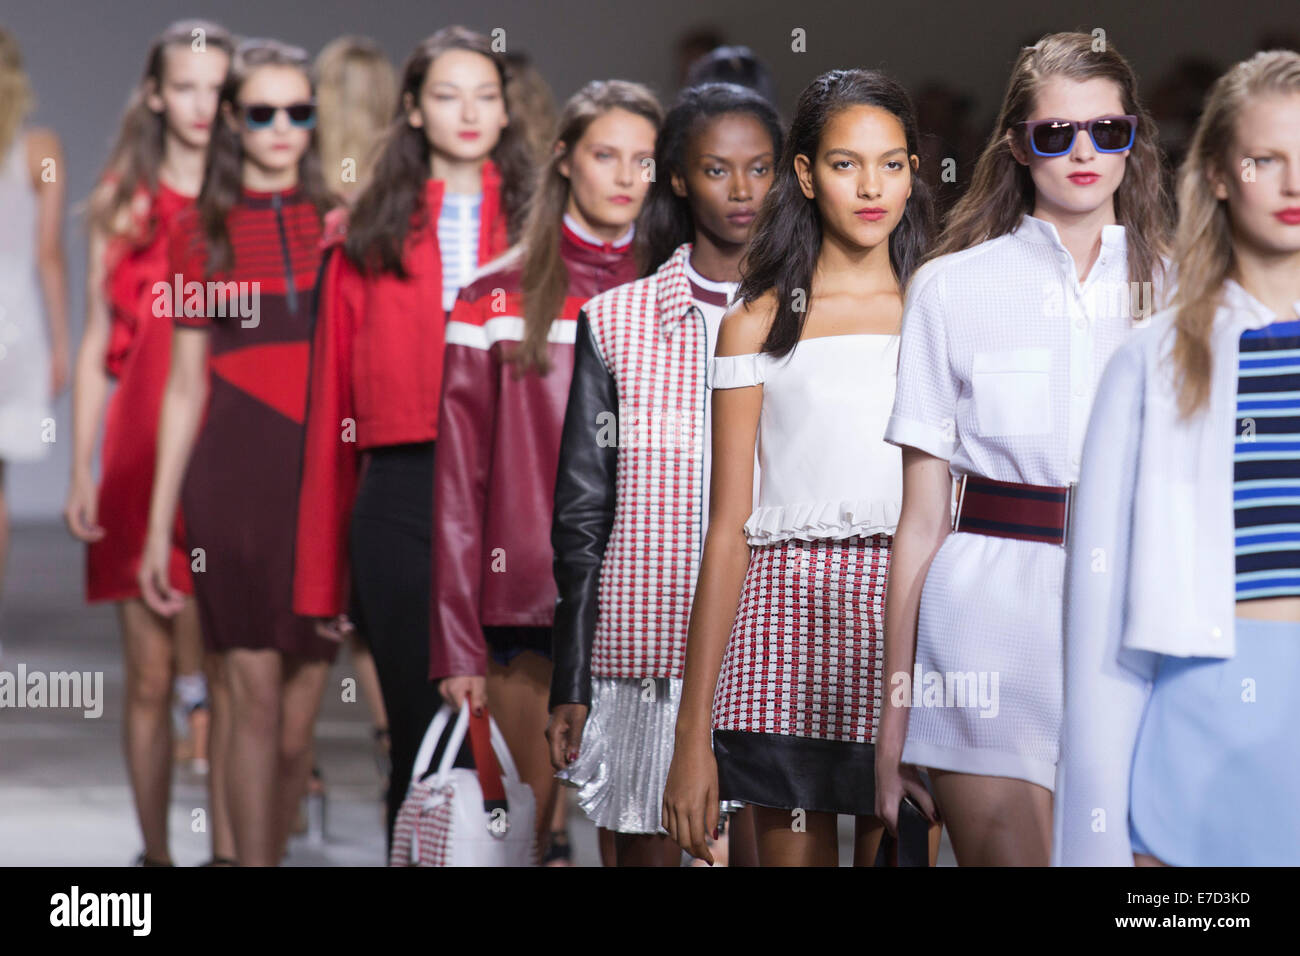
(138, 356)
(240, 495)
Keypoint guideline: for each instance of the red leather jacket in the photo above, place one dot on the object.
(376, 377)
(498, 451)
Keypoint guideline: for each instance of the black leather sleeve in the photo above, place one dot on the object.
(583, 516)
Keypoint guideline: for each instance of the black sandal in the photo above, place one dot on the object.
(559, 852)
(143, 860)
(220, 861)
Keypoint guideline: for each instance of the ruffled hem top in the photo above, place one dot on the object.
(826, 471)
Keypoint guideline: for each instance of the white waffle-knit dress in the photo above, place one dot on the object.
(1002, 349)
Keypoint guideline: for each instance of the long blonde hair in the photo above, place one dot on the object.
(545, 279)
(356, 92)
(1002, 191)
(1203, 243)
(16, 99)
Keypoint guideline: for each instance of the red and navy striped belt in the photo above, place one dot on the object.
(1008, 509)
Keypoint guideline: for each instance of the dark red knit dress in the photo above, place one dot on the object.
(240, 497)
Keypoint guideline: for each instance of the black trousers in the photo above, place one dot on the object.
(391, 554)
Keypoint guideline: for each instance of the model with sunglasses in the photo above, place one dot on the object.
(783, 657)
(1005, 335)
(255, 229)
(506, 376)
(1182, 651)
(452, 178)
(629, 512)
(153, 172)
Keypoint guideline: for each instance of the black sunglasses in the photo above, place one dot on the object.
(262, 115)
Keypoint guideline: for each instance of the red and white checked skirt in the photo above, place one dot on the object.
(807, 648)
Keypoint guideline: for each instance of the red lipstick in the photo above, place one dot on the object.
(1083, 179)
(871, 213)
(1290, 215)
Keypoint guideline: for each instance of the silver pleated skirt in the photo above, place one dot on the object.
(627, 746)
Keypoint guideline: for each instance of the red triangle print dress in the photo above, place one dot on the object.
(240, 496)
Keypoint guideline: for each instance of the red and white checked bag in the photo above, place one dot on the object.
(807, 647)
(422, 831)
(653, 340)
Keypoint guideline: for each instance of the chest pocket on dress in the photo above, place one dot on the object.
(1012, 392)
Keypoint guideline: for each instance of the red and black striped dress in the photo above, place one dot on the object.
(240, 496)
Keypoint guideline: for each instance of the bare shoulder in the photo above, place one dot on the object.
(42, 144)
(746, 325)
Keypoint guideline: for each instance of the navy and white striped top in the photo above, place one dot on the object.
(458, 227)
(1266, 462)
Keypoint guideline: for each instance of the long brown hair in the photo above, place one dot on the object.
(1001, 192)
(384, 212)
(138, 150)
(15, 90)
(356, 89)
(223, 175)
(545, 278)
(787, 236)
(1203, 243)
(532, 102)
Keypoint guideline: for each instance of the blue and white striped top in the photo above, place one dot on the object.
(1266, 462)
(458, 226)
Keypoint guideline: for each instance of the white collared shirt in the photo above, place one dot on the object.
(583, 233)
(1150, 566)
(1002, 349)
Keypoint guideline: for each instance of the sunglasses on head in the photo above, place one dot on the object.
(262, 115)
(1055, 137)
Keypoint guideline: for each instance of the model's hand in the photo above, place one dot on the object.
(155, 587)
(81, 510)
(564, 733)
(334, 628)
(454, 690)
(690, 811)
(895, 780)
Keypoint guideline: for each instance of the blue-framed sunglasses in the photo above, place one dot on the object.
(262, 115)
(1055, 137)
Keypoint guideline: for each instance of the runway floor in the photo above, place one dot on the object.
(64, 798)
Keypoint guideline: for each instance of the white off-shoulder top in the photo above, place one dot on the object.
(825, 469)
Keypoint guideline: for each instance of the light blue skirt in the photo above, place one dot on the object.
(1216, 767)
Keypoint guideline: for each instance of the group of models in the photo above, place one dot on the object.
(756, 495)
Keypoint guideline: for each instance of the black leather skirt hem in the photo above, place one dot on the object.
(787, 773)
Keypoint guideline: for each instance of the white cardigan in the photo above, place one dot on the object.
(1150, 566)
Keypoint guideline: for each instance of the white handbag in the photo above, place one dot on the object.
(461, 817)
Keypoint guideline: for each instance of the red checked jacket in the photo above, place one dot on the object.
(376, 378)
(627, 527)
(498, 450)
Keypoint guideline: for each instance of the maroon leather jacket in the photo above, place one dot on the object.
(498, 452)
